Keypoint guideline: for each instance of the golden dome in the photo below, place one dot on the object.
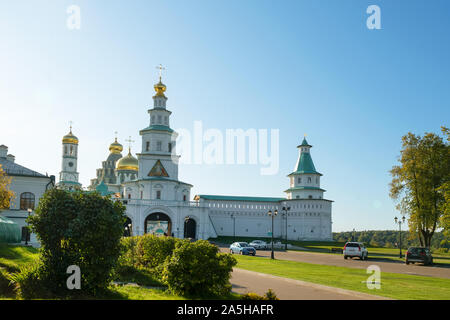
(115, 147)
(160, 88)
(70, 138)
(128, 163)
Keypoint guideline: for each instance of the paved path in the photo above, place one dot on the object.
(338, 260)
(244, 281)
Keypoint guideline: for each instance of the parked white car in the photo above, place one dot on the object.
(355, 249)
(258, 244)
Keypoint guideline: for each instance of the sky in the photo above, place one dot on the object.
(303, 67)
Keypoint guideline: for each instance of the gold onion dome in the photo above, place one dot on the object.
(128, 163)
(115, 147)
(70, 138)
(160, 88)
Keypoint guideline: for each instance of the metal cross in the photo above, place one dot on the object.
(129, 141)
(161, 68)
(70, 123)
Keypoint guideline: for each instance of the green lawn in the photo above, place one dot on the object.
(393, 285)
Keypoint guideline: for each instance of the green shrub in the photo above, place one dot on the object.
(128, 253)
(270, 295)
(198, 269)
(77, 228)
(252, 296)
(152, 250)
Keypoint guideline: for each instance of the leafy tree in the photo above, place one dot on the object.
(5, 193)
(77, 228)
(445, 189)
(416, 182)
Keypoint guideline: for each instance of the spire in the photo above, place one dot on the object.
(305, 163)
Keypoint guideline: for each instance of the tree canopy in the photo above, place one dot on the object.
(418, 181)
(5, 193)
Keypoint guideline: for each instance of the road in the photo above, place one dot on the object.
(338, 260)
(244, 281)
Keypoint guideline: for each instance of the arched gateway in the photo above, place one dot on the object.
(190, 227)
(159, 224)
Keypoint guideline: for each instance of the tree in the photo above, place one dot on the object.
(5, 193)
(416, 183)
(81, 229)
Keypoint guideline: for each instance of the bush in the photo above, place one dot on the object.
(198, 269)
(251, 296)
(152, 250)
(77, 228)
(128, 253)
(269, 295)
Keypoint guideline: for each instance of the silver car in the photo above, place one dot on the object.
(258, 244)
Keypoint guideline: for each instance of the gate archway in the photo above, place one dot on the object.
(159, 224)
(190, 228)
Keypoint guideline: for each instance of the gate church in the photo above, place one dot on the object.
(157, 202)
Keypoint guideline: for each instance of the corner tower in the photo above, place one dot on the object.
(304, 180)
(68, 177)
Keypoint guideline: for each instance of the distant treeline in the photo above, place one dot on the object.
(390, 238)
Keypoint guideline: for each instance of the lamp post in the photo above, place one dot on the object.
(26, 235)
(129, 228)
(234, 227)
(286, 209)
(272, 215)
(399, 222)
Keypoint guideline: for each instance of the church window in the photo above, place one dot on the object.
(147, 146)
(184, 197)
(310, 196)
(170, 147)
(129, 196)
(159, 119)
(299, 180)
(298, 197)
(152, 120)
(166, 121)
(309, 179)
(317, 180)
(71, 150)
(158, 194)
(158, 146)
(26, 201)
(65, 149)
(142, 194)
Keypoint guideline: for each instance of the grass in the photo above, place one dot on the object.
(393, 285)
(12, 257)
(326, 246)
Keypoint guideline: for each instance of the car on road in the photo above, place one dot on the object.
(355, 249)
(258, 244)
(242, 248)
(419, 254)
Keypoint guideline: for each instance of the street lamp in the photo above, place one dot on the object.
(26, 235)
(272, 215)
(234, 227)
(129, 228)
(286, 209)
(399, 222)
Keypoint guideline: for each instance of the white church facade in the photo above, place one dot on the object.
(158, 202)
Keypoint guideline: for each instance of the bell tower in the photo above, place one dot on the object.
(68, 177)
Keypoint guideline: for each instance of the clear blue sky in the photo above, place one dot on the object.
(300, 66)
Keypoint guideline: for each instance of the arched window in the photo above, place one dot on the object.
(299, 180)
(26, 201)
(158, 194)
(309, 179)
